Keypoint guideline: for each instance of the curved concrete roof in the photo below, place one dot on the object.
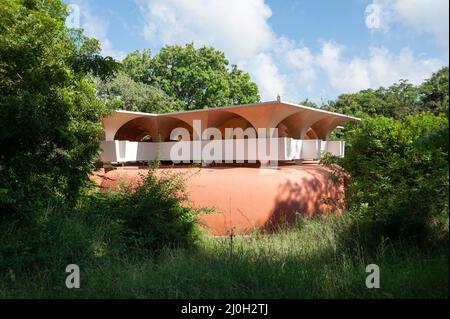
(298, 118)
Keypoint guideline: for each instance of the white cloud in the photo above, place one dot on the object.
(267, 75)
(343, 75)
(297, 58)
(430, 16)
(97, 28)
(380, 68)
(237, 27)
(278, 64)
(422, 16)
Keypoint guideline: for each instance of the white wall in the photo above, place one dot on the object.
(275, 149)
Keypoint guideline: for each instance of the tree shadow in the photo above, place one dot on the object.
(314, 194)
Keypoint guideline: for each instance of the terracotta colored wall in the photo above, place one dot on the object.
(247, 199)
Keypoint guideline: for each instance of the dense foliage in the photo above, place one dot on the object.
(198, 78)
(122, 92)
(399, 183)
(49, 115)
(103, 225)
(398, 160)
(434, 92)
(398, 100)
(157, 213)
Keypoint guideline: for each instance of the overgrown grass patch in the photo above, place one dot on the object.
(305, 261)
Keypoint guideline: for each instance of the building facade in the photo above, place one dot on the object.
(261, 132)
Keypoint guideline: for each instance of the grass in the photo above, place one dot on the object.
(305, 261)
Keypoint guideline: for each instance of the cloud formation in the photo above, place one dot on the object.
(238, 27)
(380, 68)
(278, 64)
(422, 16)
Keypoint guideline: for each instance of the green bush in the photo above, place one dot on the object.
(399, 177)
(103, 224)
(157, 212)
(49, 115)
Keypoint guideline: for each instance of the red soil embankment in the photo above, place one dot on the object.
(247, 197)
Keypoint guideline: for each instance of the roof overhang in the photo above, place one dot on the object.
(260, 115)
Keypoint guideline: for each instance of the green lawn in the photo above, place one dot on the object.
(306, 261)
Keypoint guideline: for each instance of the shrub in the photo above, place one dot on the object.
(399, 177)
(157, 213)
(103, 224)
(50, 118)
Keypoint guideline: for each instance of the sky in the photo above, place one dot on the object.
(299, 49)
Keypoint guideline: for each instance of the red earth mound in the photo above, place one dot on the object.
(247, 197)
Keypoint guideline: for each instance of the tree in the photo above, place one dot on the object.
(395, 101)
(138, 65)
(398, 100)
(399, 177)
(50, 118)
(307, 102)
(434, 92)
(197, 77)
(127, 94)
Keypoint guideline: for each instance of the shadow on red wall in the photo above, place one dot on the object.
(246, 198)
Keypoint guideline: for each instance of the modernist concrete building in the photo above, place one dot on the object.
(268, 131)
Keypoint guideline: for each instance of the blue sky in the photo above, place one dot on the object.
(315, 49)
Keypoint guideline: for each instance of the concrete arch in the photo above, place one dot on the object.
(225, 119)
(324, 127)
(297, 124)
(295, 121)
(111, 124)
(167, 123)
(158, 129)
(268, 117)
(136, 129)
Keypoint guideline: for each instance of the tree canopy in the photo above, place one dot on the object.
(434, 92)
(49, 114)
(199, 78)
(398, 100)
(127, 94)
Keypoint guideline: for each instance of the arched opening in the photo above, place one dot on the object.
(290, 127)
(227, 120)
(284, 131)
(137, 130)
(144, 129)
(324, 127)
(167, 124)
(300, 126)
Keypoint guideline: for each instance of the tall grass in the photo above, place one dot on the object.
(309, 260)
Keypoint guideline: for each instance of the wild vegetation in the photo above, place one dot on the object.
(398, 159)
(308, 260)
(144, 242)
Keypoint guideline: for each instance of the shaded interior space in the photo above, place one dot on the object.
(143, 129)
(284, 131)
(247, 198)
(226, 120)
